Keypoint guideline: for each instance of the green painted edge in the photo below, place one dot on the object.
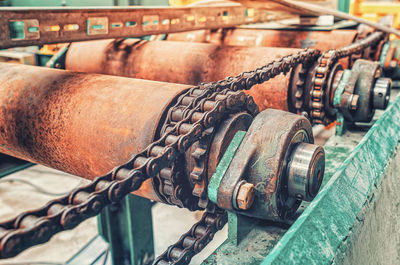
(340, 89)
(337, 97)
(384, 52)
(15, 169)
(318, 234)
(60, 55)
(223, 166)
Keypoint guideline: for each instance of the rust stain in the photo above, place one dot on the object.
(183, 63)
(83, 124)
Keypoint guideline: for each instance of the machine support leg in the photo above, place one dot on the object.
(239, 226)
(128, 229)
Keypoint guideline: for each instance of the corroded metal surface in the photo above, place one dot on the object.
(263, 159)
(344, 208)
(185, 126)
(84, 124)
(184, 63)
(65, 24)
(322, 40)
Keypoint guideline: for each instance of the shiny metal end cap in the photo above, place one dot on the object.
(381, 93)
(305, 171)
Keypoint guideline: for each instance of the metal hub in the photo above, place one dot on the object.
(305, 171)
(364, 92)
(276, 157)
(381, 93)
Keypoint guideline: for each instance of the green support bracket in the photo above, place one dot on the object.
(239, 226)
(340, 121)
(58, 59)
(128, 229)
(223, 166)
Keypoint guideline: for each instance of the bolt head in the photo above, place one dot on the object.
(245, 196)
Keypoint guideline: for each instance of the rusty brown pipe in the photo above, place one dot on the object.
(184, 63)
(84, 124)
(322, 40)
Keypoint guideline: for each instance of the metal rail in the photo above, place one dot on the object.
(36, 26)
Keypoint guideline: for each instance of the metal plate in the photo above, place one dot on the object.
(57, 25)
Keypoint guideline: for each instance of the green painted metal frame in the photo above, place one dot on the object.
(9, 165)
(58, 59)
(128, 229)
(223, 166)
(340, 121)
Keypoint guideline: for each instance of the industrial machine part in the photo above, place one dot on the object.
(269, 185)
(321, 40)
(68, 120)
(27, 26)
(390, 59)
(307, 88)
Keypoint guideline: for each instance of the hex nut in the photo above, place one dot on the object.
(245, 196)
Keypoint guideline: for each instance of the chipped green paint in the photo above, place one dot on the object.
(223, 166)
(318, 236)
(384, 52)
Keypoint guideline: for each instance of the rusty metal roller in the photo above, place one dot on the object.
(193, 63)
(183, 63)
(286, 38)
(83, 124)
(322, 40)
(87, 124)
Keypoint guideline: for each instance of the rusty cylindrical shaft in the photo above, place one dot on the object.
(322, 40)
(84, 124)
(184, 63)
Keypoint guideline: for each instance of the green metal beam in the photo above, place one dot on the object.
(128, 229)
